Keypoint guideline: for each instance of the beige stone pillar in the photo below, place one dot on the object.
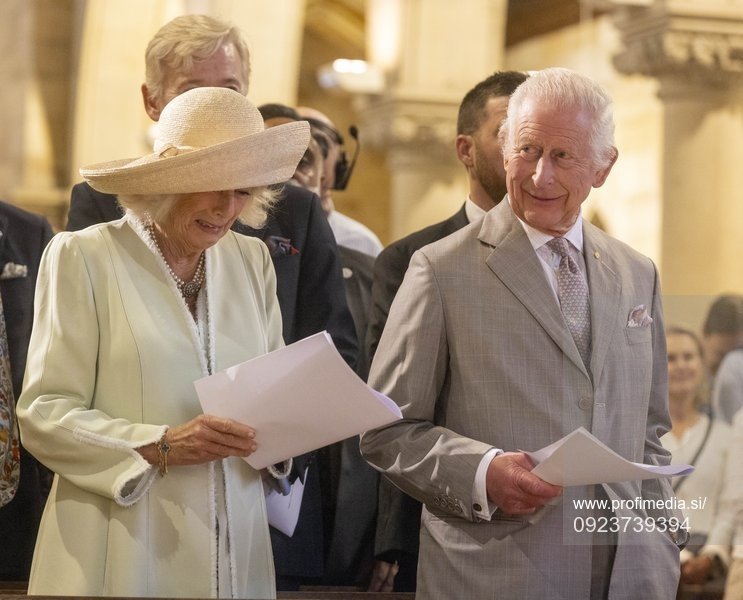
(695, 50)
(15, 64)
(432, 52)
(37, 62)
(273, 30)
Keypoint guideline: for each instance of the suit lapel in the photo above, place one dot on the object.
(605, 293)
(515, 263)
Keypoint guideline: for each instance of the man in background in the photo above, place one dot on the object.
(200, 51)
(348, 232)
(481, 113)
(348, 483)
(25, 483)
(723, 345)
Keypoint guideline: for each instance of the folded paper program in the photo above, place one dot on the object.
(298, 398)
(581, 459)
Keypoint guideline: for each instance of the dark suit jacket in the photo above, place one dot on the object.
(390, 267)
(347, 479)
(23, 237)
(398, 515)
(311, 295)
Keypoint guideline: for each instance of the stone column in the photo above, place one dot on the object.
(695, 50)
(37, 92)
(441, 49)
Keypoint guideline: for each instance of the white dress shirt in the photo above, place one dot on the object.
(550, 262)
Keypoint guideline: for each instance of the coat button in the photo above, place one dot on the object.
(585, 403)
(476, 507)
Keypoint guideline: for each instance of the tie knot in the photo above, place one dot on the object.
(559, 246)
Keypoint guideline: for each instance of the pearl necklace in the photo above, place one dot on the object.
(188, 289)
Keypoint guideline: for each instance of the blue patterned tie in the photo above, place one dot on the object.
(10, 448)
(572, 291)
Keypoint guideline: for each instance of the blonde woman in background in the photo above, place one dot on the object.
(698, 438)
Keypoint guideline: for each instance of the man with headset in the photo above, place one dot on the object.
(348, 232)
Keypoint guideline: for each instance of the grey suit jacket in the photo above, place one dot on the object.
(477, 354)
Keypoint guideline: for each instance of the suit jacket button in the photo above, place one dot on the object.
(476, 507)
(585, 403)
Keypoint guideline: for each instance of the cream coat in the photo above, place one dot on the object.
(113, 357)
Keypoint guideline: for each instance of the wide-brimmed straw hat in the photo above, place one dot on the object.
(207, 140)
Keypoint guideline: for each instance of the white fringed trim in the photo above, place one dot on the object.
(213, 531)
(226, 471)
(207, 360)
(147, 472)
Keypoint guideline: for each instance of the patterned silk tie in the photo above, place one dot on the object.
(10, 449)
(572, 291)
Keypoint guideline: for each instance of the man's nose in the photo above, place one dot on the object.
(544, 172)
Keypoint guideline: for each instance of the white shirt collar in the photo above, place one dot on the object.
(473, 211)
(538, 238)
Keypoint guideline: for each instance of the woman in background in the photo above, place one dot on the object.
(698, 439)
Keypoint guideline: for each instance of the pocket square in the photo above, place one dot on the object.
(280, 246)
(14, 271)
(639, 317)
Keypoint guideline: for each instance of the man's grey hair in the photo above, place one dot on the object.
(186, 39)
(565, 89)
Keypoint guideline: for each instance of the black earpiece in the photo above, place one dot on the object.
(344, 169)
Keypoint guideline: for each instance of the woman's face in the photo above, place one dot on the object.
(685, 366)
(198, 221)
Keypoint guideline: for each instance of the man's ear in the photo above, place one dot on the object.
(601, 174)
(463, 145)
(151, 107)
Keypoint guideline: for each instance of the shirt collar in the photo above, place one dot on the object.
(473, 211)
(538, 238)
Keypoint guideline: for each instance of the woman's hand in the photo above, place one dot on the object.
(204, 439)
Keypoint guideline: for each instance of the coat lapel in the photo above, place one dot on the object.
(605, 293)
(515, 263)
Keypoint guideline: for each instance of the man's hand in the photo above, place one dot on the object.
(383, 576)
(512, 487)
(697, 569)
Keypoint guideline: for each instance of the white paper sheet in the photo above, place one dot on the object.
(298, 398)
(581, 459)
(283, 510)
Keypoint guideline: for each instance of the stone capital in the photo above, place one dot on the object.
(411, 123)
(700, 43)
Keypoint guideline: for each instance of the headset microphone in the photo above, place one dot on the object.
(343, 168)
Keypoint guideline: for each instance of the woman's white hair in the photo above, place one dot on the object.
(565, 89)
(157, 207)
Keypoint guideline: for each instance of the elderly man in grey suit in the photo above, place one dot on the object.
(510, 334)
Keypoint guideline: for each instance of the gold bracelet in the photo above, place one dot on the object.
(162, 456)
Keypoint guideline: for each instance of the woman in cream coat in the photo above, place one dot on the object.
(151, 497)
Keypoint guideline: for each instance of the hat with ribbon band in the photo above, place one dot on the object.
(207, 140)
